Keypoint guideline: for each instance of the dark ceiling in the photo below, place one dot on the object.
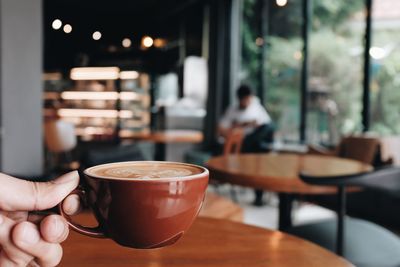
(116, 20)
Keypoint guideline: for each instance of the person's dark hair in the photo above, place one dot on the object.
(243, 91)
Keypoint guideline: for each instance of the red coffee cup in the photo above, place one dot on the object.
(143, 211)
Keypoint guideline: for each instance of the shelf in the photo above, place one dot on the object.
(94, 73)
(95, 113)
(94, 96)
(96, 107)
(88, 95)
(82, 131)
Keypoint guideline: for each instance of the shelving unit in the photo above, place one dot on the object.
(103, 103)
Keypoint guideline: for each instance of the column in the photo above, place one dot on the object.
(21, 55)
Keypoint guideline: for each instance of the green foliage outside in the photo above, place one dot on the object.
(336, 61)
(250, 51)
(385, 88)
(283, 92)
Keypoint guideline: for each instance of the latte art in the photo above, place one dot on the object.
(144, 171)
(129, 172)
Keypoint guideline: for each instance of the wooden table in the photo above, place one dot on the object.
(161, 138)
(218, 207)
(166, 136)
(279, 173)
(209, 242)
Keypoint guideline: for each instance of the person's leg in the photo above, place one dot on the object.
(258, 197)
(253, 144)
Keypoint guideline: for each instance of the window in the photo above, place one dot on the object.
(283, 67)
(335, 70)
(271, 60)
(385, 61)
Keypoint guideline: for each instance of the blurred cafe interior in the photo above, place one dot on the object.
(292, 105)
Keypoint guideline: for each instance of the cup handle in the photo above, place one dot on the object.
(88, 231)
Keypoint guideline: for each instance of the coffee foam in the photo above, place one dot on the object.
(144, 171)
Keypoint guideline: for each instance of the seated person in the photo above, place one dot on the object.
(250, 115)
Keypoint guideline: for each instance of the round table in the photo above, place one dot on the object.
(209, 242)
(167, 136)
(161, 138)
(279, 173)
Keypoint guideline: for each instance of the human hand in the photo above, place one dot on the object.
(28, 239)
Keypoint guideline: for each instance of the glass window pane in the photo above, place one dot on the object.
(385, 60)
(250, 61)
(283, 63)
(275, 57)
(336, 70)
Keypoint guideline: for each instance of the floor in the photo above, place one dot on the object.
(267, 215)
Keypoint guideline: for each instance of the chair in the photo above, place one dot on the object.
(233, 142)
(361, 148)
(367, 203)
(390, 149)
(361, 242)
(232, 145)
(60, 140)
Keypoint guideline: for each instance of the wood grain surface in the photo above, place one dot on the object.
(279, 172)
(167, 136)
(209, 242)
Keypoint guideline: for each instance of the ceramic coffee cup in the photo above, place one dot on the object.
(149, 208)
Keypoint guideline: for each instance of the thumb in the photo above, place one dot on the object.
(21, 195)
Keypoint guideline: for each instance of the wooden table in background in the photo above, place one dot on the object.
(279, 173)
(218, 207)
(162, 138)
(209, 242)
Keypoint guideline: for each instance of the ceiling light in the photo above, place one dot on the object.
(281, 2)
(147, 41)
(159, 42)
(126, 42)
(56, 24)
(67, 28)
(96, 35)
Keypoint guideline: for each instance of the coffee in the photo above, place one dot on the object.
(148, 170)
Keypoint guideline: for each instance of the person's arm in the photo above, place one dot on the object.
(226, 123)
(262, 116)
(27, 239)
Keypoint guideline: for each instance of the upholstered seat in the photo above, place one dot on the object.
(365, 243)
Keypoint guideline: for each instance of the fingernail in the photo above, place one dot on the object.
(66, 177)
(30, 235)
(1, 219)
(70, 204)
(58, 227)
